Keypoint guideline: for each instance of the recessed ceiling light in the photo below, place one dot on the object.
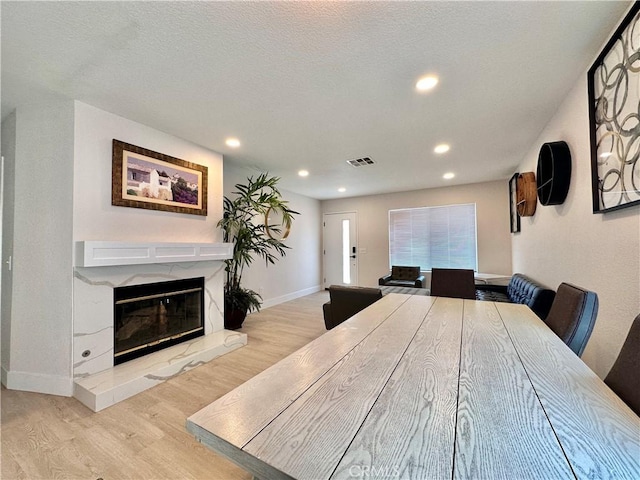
(442, 148)
(426, 83)
(605, 155)
(303, 173)
(448, 176)
(342, 189)
(232, 142)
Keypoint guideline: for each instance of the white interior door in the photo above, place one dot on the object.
(340, 243)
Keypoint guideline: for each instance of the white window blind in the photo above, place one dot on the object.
(441, 237)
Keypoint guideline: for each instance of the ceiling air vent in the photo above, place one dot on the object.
(360, 162)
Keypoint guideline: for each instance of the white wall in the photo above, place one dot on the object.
(492, 214)
(41, 175)
(300, 271)
(568, 243)
(94, 218)
(58, 190)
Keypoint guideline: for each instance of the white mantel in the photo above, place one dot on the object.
(107, 253)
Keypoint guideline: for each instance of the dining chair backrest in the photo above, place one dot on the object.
(345, 301)
(453, 282)
(624, 376)
(573, 315)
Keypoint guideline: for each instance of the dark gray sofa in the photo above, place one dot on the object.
(403, 276)
(521, 289)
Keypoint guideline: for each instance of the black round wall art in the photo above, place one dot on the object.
(553, 174)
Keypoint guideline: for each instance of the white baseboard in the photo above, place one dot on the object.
(36, 382)
(291, 296)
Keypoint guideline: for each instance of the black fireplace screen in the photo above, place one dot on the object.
(156, 315)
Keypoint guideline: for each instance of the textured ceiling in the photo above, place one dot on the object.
(314, 84)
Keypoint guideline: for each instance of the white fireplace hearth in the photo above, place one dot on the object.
(110, 386)
(102, 266)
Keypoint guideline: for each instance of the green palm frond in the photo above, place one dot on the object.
(249, 238)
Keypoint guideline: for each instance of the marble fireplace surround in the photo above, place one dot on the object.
(100, 266)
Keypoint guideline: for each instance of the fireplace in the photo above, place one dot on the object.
(153, 316)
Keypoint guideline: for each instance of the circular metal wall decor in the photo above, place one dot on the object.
(613, 84)
(526, 195)
(276, 226)
(553, 173)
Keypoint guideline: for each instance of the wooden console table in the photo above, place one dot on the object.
(417, 387)
(491, 278)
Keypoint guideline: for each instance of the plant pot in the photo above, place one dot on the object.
(233, 318)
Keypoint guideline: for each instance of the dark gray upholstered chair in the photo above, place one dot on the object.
(453, 282)
(344, 302)
(573, 315)
(402, 276)
(624, 376)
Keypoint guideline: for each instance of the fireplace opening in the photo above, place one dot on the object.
(150, 317)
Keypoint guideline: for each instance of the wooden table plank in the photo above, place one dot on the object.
(502, 431)
(240, 414)
(599, 433)
(410, 431)
(308, 440)
(375, 397)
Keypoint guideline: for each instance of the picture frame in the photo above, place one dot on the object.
(514, 219)
(142, 178)
(614, 95)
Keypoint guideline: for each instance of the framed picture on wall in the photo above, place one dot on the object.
(513, 202)
(614, 108)
(142, 178)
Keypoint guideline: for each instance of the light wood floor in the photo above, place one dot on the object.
(144, 437)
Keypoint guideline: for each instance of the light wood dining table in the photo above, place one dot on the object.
(419, 387)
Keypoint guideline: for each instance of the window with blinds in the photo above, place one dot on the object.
(441, 237)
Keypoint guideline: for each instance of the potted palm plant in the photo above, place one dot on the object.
(245, 225)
